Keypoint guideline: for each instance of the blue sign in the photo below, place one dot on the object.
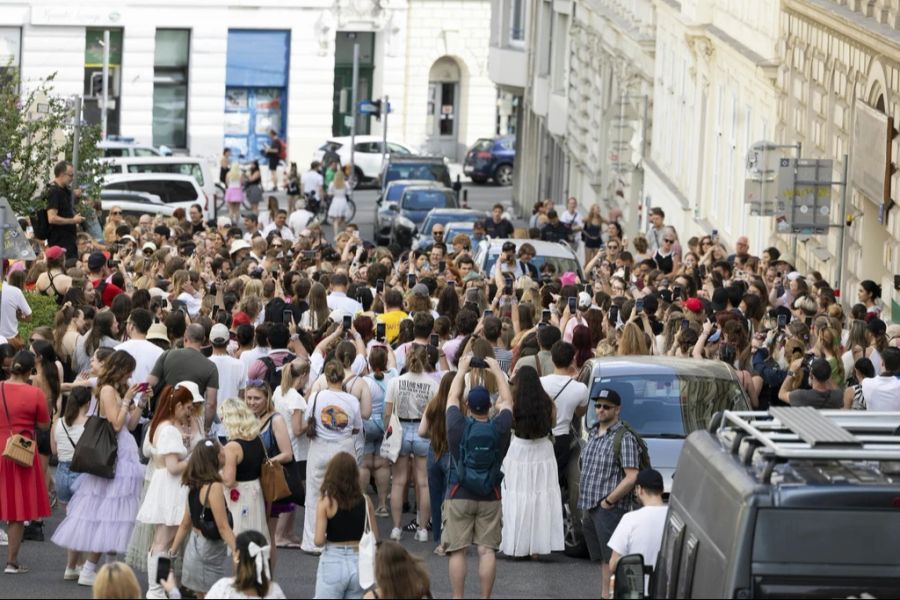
(367, 107)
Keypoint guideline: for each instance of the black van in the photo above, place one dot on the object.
(793, 503)
(425, 168)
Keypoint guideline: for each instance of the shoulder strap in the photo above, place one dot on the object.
(5, 408)
(62, 423)
(571, 379)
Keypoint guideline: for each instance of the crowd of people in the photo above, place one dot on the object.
(191, 363)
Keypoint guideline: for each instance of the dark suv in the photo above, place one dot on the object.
(491, 158)
(423, 168)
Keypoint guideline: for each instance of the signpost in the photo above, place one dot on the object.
(804, 187)
(353, 99)
(760, 191)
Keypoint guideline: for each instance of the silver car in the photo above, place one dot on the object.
(664, 399)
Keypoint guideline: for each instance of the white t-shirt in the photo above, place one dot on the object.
(251, 356)
(232, 379)
(287, 404)
(571, 397)
(881, 393)
(285, 232)
(409, 394)
(337, 415)
(640, 532)
(340, 301)
(311, 181)
(573, 219)
(12, 299)
(145, 355)
(224, 588)
(299, 220)
(192, 303)
(317, 365)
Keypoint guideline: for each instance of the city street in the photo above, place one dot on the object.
(556, 576)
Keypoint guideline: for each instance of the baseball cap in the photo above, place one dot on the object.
(584, 300)
(650, 478)
(54, 252)
(96, 260)
(241, 318)
(568, 278)
(694, 305)
(611, 396)
(479, 399)
(158, 331)
(237, 245)
(109, 293)
(471, 276)
(149, 246)
(219, 335)
(793, 275)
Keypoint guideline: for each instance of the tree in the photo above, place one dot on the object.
(36, 131)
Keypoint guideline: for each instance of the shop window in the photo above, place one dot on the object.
(170, 87)
(10, 51)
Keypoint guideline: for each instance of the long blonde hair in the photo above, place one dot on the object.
(632, 342)
(238, 420)
(338, 180)
(178, 280)
(116, 580)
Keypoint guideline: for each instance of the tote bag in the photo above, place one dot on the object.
(393, 439)
(367, 554)
(271, 478)
(97, 449)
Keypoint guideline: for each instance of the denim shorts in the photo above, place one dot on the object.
(338, 573)
(65, 481)
(374, 435)
(598, 525)
(412, 442)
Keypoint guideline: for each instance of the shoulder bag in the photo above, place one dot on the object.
(367, 553)
(97, 449)
(311, 419)
(19, 449)
(271, 478)
(208, 527)
(293, 473)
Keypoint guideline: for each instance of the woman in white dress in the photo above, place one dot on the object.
(163, 505)
(244, 457)
(532, 504)
(337, 212)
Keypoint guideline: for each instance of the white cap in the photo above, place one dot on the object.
(149, 246)
(223, 222)
(219, 334)
(584, 300)
(239, 245)
(193, 389)
(794, 275)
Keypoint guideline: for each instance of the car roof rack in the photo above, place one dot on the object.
(803, 433)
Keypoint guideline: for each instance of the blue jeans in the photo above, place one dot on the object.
(338, 573)
(437, 489)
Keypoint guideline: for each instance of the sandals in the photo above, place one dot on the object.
(382, 512)
(14, 569)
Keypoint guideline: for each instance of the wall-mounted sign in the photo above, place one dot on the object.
(873, 132)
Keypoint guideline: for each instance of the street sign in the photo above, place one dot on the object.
(804, 185)
(760, 192)
(368, 107)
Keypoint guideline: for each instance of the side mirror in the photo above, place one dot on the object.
(629, 577)
(393, 206)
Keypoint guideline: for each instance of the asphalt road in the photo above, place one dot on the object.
(554, 576)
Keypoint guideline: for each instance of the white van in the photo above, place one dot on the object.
(176, 191)
(198, 168)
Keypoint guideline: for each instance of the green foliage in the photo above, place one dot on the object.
(43, 312)
(36, 132)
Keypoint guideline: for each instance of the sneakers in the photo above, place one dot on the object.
(396, 534)
(422, 535)
(4, 541)
(14, 569)
(86, 578)
(72, 574)
(412, 526)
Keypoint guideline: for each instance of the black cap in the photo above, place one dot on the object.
(650, 479)
(611, 396)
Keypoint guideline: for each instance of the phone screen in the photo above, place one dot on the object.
(488, 313)
(442, 266)
(348, 322)
(545, 316)
(163, 566)
(572, 305)
(639, 305)
(685, 324)
(379, 286)
(782, 321)
(380, 331)
(613, 314)
(435, 340)
(215, 310)
(410, 280)
(589, 289)
(287, 317)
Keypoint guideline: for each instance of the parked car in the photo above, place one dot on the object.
(456, 227)
(198, 168)
(384, 213)
(491, 158)
(430, 168)
(413, 207)
(792, 503)
(177, 191)
(560, 256)
(126, 147)
(664, 399)
(424, 240)
(368, 154)
(133, 204)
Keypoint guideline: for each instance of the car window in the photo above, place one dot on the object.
(563, 265)
(179, 191)
(369, 147)
(193, 169)
(426, 200)
(114, 152)
(395, 192)
(398, 149)
(423, 172)
(445, 218)
(508, 144)
(330, 146)
(145, 152)
(483, 144)
(670, 404)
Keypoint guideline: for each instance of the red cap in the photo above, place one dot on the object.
(54, 252)
(109, 293)
(240, 318)
(694, 305)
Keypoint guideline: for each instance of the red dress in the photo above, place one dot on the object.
(23, 495)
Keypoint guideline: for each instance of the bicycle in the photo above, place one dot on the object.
(319, 208)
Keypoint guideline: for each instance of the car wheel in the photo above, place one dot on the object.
(356, 178)
(504, 175)
(478, 180)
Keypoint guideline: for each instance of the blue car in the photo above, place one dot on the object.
(492, 158)
(414, 205)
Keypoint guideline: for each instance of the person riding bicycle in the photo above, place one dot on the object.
(311, 186)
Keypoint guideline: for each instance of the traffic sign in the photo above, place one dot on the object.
(805, 187)
(373, 107)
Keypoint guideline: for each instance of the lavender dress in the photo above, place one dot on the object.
(102, 512)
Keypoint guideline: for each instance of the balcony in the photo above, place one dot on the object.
(508, 68)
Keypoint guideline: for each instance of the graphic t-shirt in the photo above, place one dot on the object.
(337, 415)
(409, 394)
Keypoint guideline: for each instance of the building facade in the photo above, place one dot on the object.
(200, 75)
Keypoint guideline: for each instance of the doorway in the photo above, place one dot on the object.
(342, 115)
(443, 116)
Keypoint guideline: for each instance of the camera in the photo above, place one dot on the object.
(478, 363)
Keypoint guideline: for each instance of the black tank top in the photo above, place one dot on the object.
(347, 525)
(254, 455)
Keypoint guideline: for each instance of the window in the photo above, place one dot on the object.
(10, 50)
(170, 87)
(545, 38)
(517, 22)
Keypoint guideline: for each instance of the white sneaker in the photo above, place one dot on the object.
(72, 574)
(4, 541)
(422, 535)
(396, 534)
(86, 578)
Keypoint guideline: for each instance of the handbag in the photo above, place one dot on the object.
(271, 478)
(367, 554)
(208, 527)
(19, 449)
(311, 419)
(393, 439)
(97, 449)
(293, 474)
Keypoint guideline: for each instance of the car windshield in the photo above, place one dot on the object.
(562, 264)
(432, 220)
(425, 200)
(395, 192)
(483, 144)
(669, 404)
(421, 171)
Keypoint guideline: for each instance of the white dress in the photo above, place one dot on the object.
(166, 496)
(532, 503)
(338, 208)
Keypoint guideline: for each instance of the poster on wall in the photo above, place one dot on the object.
(237, 123)
(236, 99)
(268, 120)
(268, 99)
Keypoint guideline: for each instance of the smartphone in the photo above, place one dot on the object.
(589, 289)
(451, 284)
(715, 235)
(508, 290)
(411, 280)
(348, 322)
(113, 263)
(435, 340)
(287, 317)
(163, 566)
(143, 387)
(309, 255)
(488, 313)
(702, 270)
(685, 325)
(572, 305)
(782, 321)
(215, 310)
(442, 266)
(613, 314)
(379, 286)
(676, 292)
(380, 331)
(545, 316)
(639, 305)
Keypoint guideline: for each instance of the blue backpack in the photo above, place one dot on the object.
(478, 468)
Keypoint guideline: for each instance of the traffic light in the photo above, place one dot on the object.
(377, 112)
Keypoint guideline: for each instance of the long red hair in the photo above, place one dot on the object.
(168, 400)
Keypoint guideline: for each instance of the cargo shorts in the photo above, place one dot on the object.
(467, 522)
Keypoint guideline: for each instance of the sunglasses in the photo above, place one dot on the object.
(669, 241)
(601, 406)
(118, 212)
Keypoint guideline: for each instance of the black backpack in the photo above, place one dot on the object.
(40, 223)
(273, 373)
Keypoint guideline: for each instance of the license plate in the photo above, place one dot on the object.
(468, 169)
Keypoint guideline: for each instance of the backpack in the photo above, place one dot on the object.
(282, 150)
(478, 468)
(273, 373)
(40, 223)
(644, 454)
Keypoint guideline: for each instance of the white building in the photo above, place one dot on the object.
(200, 75)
